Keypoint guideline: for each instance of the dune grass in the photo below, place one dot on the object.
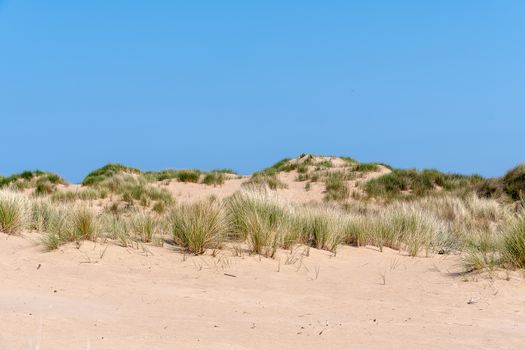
(412, 183)
(481, 219)
(336, 188)
(268, 178)
(108, 171)
(197, 227)
(13, 211)
(214, 178)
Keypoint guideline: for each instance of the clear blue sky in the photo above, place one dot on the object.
(242, 84)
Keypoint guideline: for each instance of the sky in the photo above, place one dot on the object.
(242, 84)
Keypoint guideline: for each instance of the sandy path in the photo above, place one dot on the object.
(130, 300)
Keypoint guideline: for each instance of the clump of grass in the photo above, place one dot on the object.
(213, 178)
(83, 225)
(62, 224)
(107, 172)
(513, 247)
(12, 213)
(144, 226)
(481, 251)
(197, 227)
(256, 217)
(188, 176)
(336, 188)
(357, 231)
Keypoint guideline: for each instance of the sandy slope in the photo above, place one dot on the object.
(127, 299)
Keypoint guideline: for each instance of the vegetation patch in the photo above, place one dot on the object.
(336, 187)
(108, 171)
(413, 183)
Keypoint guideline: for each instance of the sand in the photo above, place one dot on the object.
(103, 296)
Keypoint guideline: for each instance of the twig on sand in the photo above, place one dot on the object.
(229, 275)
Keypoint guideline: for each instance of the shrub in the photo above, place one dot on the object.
(198, 226)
